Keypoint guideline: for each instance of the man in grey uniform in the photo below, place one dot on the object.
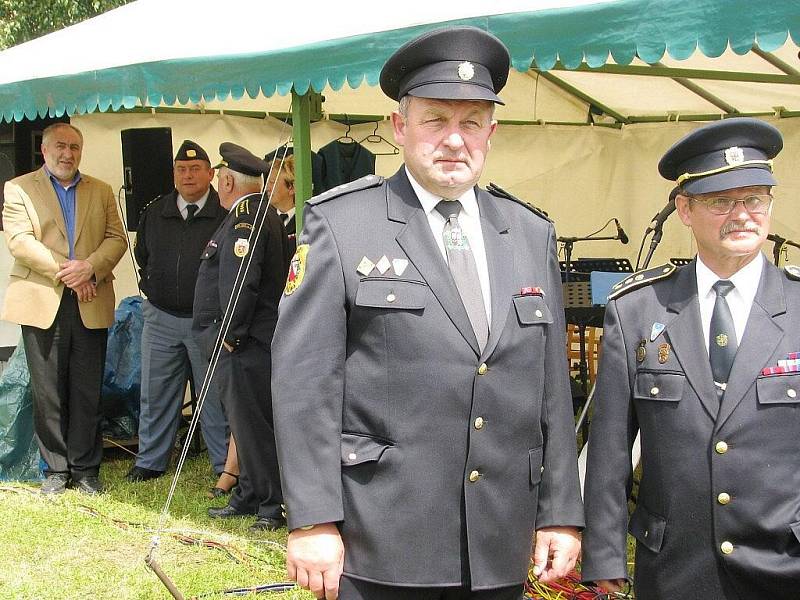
(700, 361)
(421, 400)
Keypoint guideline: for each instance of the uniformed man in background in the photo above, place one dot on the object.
(242, 273)
(173, 231)
(703, 362)
(421, 397)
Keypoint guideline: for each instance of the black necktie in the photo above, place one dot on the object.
(464, 270)
(722, 343)
(190, 210)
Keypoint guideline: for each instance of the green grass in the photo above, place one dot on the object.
(75, 546)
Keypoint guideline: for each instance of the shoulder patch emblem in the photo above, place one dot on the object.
(366, 182)
(241, 247)
(243, 208)
(243, 225)
(297, 269)
(792, 271)
(640, 279)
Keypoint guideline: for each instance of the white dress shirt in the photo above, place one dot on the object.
(470, 221)
(182, 204)
(740, 299)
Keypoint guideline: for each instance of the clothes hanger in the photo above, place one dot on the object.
(376, 138)
(346, 139)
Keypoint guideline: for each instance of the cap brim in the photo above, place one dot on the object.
(454, 91)
(729, 180)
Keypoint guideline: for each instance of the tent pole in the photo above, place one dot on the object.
(301, 133)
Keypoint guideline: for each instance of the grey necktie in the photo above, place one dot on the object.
(462, 266)
(722, 343)
(191, 209)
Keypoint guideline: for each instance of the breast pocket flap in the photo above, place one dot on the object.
(778, 389)
(390, 293)
(359, 449)
(648, 528)
(532, 310)
(656, 385)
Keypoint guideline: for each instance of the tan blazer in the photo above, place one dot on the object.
(37, 239)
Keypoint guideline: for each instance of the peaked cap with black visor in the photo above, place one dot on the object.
(454, 63)
(723, 155)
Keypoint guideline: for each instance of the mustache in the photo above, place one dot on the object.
(739, 226)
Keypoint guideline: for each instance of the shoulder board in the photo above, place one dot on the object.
(153, 201)
(366, 182)
(792, 272)
(496, 190)
(641, 279)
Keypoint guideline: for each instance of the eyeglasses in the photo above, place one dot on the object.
(721, 205)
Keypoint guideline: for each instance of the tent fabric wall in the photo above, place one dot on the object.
(582, 176)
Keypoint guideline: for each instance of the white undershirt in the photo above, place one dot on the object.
(740, 299)
(182, 204)
(470, 222)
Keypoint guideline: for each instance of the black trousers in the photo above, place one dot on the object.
(244, 387)
(357, 589)
(66, 364)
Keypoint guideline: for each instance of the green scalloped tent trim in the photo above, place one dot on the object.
(592, 33)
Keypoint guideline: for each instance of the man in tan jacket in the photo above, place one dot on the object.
(65, 235)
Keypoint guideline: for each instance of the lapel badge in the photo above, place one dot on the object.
(656, 331)
(663, 353)
(641, 351)
(721, 340)
(365, 266)
(241, 247)
(399, 265)
(734, 156)
(383, 264)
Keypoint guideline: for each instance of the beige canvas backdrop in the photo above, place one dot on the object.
(581, 175)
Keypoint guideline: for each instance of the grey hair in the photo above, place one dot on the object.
(246, 181)
(51, 129)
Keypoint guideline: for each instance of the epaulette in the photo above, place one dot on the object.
(792, 272)
(641, 279)
(146, 206)
(366, 182)
(496, 190)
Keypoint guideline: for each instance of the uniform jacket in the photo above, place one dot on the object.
(37, 239)
(168, 250)
(694, 449)
(384, 406)
(237, 241)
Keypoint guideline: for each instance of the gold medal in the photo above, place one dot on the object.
(641, 351)
(663, 353)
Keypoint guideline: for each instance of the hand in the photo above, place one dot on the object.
(315, 558)
(555, 553)
(86, 291)
(75, 272)
(610, 585)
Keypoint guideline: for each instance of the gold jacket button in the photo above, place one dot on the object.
(473, 476)
(482, 369)
(479, 423)
(721, 448)
(724, 498)
(654, 391)
(726, 547)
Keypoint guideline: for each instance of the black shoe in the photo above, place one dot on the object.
(89, 485)
(226, 512)
(55, 483)
(142, 474)
(268, 524)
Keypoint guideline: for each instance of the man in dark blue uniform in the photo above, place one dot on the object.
(702, 361)
(422, 404)
(241, 277)
(173, 230)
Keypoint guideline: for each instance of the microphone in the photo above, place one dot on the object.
(621, 235)
(659, 219)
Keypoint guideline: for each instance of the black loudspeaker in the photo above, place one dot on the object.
(147, 168)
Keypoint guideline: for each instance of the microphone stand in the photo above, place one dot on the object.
(569, 242)
(658, 233)
(779, 244)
